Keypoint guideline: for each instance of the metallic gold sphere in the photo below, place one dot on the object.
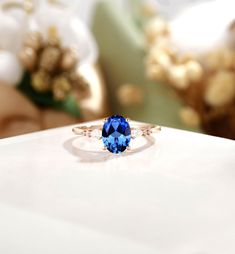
(220, 88)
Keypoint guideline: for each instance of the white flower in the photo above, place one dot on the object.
(71, 30)
(16, 23)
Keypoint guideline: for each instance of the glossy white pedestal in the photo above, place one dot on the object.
(172, 196)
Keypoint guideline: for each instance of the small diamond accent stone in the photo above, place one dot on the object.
(96, 133)
(136, 133)
(156, 129)
(116, 134)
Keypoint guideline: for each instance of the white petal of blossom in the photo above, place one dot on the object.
(10, 68)
(71, 30)
(12, 30)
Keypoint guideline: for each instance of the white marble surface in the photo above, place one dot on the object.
(174, 195)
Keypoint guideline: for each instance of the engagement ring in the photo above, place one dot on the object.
(116, 132)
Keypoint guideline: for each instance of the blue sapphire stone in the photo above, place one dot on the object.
(116, 134)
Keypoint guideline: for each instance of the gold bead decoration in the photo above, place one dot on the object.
(61, 87)
(185, 58)
(41, 81)
(155, 72)
(213, 61)
(50, 58)
(164, 44)
(69, 59)
(203, 80)
(28, 58)
(80, 84)
(34, 40)
(162, 59)
(220, 88)
(52, 67)
(222, 58)
(227, 58)
(155, 27)
(130, 95)
(53, 38)
(28, 6)
(190, 117)
(194, 71)
(177, 76)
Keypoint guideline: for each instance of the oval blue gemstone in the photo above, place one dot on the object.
(116, 134)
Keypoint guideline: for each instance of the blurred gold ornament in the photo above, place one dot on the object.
(157, 64)
(221, 58)
(194, 71)
(50, 58)
(155, 27)
(162, 59)
(227, 58)
(41, 81)
(28, 58)
(53, 38)
(28, 6)
(155, 72)
(33, 40)
(130, 95)
(95, 102)
(80, 84)
(69, 59)
(190, 117)
(203, 79)
(61, 87)
(52, 67)
(177, 75)
(220, 88)
(185, 57)
(154, 52)
(164, 44)
(213, 61)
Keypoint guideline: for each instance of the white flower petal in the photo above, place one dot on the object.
(10, 68)
(71, 30)
(11, 33)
